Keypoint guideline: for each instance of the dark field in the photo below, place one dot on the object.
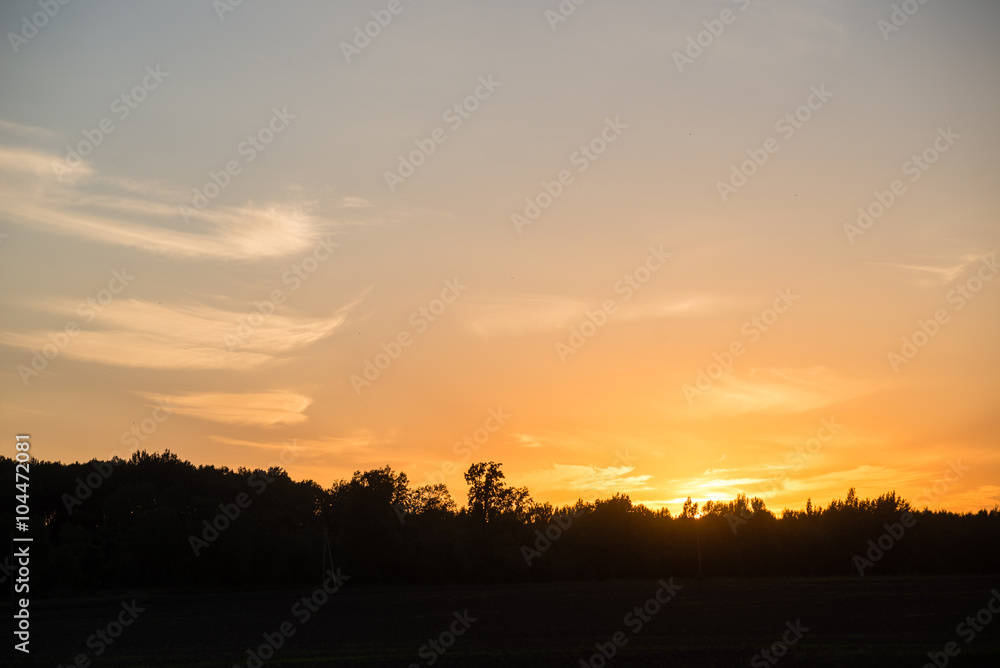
(851, 622)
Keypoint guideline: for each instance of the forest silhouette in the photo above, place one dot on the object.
(155, 520)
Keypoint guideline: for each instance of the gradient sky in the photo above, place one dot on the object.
(614, 414)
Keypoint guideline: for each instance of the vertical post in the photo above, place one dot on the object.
(697, 533)
(327, 556)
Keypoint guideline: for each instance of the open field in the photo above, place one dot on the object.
(850, 622)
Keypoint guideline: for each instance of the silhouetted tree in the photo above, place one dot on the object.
(130, 523)
(690, 509)
(487, 494)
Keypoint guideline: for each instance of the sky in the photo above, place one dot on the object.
(665, 249)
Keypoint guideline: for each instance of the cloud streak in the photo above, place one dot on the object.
(143, 334)
(264, 409)
(143, 218)
(589, 479)
(777, 390)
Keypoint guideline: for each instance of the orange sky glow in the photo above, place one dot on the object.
(490, 235)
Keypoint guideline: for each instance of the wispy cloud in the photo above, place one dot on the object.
(776, 484)
(10, 127)
(229, 234)
(941, 273)
(721, 489)
(590, 480)
(777, 390)
(674, 307)
(984, 496)
(353, 202)
(147, 216)
(336, 445)
(276, 446)
(266, 409)
(881, 477)
(20, 161)
(528, 441)
(327, 458)
(517, 314)
(138, 333)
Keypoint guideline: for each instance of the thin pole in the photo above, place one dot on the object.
(327, 555)
(697, 533)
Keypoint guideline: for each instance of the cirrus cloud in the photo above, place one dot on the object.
(265, 409)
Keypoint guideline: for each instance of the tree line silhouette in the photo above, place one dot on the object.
(155, 520)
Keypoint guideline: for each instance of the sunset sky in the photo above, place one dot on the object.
(222, 208)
